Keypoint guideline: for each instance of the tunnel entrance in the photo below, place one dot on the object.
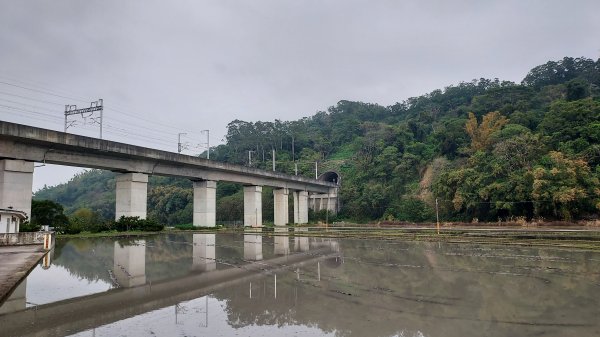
(330, 176)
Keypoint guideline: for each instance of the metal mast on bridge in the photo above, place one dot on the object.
(94, 106)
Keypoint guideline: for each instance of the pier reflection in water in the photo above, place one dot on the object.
(253, 246)
(129, 263)
(254, 284)
(204, 258)
(281, 241)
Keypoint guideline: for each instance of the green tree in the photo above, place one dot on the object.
(48, 213)
(481, 134)
(565, 187)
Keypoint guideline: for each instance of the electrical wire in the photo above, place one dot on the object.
(137, 117)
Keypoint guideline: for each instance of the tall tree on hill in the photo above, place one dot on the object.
(481, 134)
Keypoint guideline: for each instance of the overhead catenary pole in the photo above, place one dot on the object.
(94, 106)
(179, 144)
(273, 159)
(207, 144)
(101, 117)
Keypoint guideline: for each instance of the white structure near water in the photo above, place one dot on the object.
(10, 220)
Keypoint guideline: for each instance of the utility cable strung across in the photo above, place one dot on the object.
(142, 127)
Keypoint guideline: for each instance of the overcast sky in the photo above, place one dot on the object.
(164, 67)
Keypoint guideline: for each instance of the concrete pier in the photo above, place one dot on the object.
(16, 184)
(300, 207)
(205, 203)
(129, 263)
(281, 196)
(327, 201)
(296, 208)
(253, 206)
(203, 251)
(132, 192)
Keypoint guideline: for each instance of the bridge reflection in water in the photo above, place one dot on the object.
(134, 294)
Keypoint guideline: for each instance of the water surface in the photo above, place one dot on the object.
(253, 285)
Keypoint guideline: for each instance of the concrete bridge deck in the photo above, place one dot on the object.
(23, 142)
(22, 145)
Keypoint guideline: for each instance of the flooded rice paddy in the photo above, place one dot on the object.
(284, 285)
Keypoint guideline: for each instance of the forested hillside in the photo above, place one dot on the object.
(486, 149)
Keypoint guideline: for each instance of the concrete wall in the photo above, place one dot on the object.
(24, 238)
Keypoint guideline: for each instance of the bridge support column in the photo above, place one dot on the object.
(132, 193)
(253, 206)
(205, 203)
(281, 206)
(16, 183)
(300, 207)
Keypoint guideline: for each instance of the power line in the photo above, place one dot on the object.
(120, 112)
(40, 91)
(42, 86)
(25, 104)
(52, 118)
(50, 92)
(31, 99)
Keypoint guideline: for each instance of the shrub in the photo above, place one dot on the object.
(132, 223)
(73, 228)
(187, 226)
(27, 226)
(97, 227)
(414, 210)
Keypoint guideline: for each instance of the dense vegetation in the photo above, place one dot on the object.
(485, 149)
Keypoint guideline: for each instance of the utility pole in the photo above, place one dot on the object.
(180, 146)
(293, 152)
(94, 106)
(273, 159)
(250, 157)
(437, 216)
(316, 170)
(296, 167)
